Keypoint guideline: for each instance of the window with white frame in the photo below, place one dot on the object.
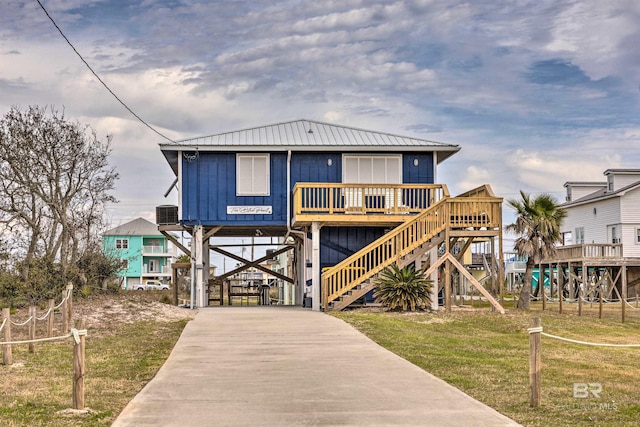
(637, 235)
(579, 236)
(359, 169)
(122, 243)
(615, 237)
(252, 175)
(609, 182)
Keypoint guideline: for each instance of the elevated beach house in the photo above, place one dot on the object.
(601, 237)
(349, 202)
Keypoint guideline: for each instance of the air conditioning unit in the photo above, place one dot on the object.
(166, 215)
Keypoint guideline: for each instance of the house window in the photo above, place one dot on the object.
(124, 264)
(637, 236)
(252, 175)
(154, 266)
(372, 169)
(609, 182)
(615, 238)
(579, 236)
(122, 243)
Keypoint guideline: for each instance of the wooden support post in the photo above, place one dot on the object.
(52, 303)
(541, 270)
(623, 297)
(535, 363)
(32, 328)
(78, 369)
(65, 313)
(447, 286)
(560, 286)
(6, 349)
(316, 273)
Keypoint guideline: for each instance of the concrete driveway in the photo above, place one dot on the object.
(287, 366)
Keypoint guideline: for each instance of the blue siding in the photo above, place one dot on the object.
(314, 167)
(337, 243)
(421, 174)
(209, 186)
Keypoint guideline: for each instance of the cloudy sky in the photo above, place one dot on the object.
(535, 92)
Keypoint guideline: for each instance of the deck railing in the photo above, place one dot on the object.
(588, 250)
(335, 198)
(459, 212)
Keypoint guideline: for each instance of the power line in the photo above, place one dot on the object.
(100, 80)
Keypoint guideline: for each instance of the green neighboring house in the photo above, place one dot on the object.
(144, 251)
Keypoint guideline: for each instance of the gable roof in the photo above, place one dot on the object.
(602, 194)
(305, 135)
(137, 227)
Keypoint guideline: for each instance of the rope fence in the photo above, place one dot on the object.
(78, 336)
(535, 359)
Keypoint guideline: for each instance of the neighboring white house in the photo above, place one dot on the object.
(605, 212)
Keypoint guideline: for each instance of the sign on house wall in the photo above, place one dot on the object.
(249, 210)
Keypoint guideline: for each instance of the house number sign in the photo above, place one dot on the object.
(249, 210)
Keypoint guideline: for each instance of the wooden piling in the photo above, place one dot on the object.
(535, 364)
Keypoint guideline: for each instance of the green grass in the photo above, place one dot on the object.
(118, 365)
(486, 355)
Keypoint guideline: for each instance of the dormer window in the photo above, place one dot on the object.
(609, 183)
(568, 198)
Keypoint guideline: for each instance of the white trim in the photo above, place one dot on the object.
(266, 179)
(360, 157)
(179, 186)
(124, 243)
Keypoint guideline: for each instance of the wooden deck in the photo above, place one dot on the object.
(366, 204)
(423, 215)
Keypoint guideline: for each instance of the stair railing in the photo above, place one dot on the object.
(384, 251)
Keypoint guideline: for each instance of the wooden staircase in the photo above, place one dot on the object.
(352, 278)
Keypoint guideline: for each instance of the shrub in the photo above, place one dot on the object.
(403, 289)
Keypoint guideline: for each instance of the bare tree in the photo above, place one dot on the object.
(55, 182)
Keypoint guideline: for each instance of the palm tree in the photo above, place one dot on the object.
(403, 288)
(538, 227)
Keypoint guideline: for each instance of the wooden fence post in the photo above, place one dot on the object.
(78, 369)
(32, 328)
(70, 303)
(600, 304)
(535, 362)
(6, 349)
(65, 313)
(52, 303)
(579, 300)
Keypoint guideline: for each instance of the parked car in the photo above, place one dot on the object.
(152, 285)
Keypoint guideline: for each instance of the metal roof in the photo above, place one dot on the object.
(306, 135)
(137, 227)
